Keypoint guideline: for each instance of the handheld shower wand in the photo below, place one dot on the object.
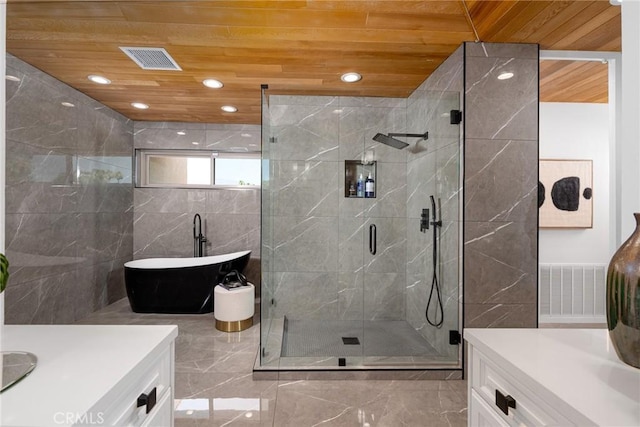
(435, 286)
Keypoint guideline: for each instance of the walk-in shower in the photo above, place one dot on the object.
(347, 279)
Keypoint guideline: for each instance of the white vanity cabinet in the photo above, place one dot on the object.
(549, 377)
(481, 414)
(92, 375)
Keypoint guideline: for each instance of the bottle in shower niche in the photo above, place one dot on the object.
(352, 190)
(360, 187)
(369, 187)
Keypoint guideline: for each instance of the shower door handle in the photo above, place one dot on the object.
(372, 239)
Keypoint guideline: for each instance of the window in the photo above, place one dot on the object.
(197, 169)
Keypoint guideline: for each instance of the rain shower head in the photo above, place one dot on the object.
(392, 142)
(396, 143)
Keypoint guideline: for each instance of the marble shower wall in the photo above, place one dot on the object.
(163, 218)
(69, 200)
(320, 265)
(501, 176)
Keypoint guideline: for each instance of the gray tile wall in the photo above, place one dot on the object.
(320, 266)
(163, 218)
(69, 200)
(501, 175)
(70, 205)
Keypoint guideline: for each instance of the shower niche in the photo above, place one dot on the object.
(356, 179)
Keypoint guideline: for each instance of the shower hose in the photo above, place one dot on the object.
(435, 286)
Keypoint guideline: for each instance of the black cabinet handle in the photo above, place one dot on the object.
(505, 402)
(148, 400)
(372, 239)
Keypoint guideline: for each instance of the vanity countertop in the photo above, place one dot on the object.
(579, 368)
(77, 366)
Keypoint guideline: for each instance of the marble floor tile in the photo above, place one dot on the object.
(369, 403)
(214, 385)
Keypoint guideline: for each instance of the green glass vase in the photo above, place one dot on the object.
(623, 299)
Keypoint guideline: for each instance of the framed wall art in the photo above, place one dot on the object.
(565, 194)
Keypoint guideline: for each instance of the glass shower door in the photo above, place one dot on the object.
(412, 284)
(346, 278)
(269, 350)
(310, 313)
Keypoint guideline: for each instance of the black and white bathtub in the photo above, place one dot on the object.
(178, 285)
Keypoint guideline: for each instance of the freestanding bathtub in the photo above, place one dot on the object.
(178, 285)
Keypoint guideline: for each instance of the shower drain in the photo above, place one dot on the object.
(350, 341)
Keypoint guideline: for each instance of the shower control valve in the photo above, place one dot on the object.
(424, 220)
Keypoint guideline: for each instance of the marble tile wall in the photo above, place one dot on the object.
(375, 285)
(501, 175)
(163, 218)
(69, 200)
(320, 265)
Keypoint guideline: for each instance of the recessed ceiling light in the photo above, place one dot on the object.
(139, 105)
(350, 77)
(195, 143)
(181, 132)
(99, 79)
(212, 83)
(67, 104)
(12, 78)
(506, 75)
(229, 108)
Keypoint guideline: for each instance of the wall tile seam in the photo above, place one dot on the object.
(72, 211)
(477, 138)
(54, 150)
(75, 270)
(498, 223)
(182, 214)
(400, 216)
(480, 221)
(77, 151)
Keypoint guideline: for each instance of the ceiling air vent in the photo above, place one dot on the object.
(151, 58)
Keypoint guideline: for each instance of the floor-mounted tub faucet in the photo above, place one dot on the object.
(198, 238)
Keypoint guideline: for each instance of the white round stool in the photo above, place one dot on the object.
(233, 309)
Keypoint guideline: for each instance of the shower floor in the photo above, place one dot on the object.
(324, 338)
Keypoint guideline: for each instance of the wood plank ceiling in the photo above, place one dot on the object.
(296, 47)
